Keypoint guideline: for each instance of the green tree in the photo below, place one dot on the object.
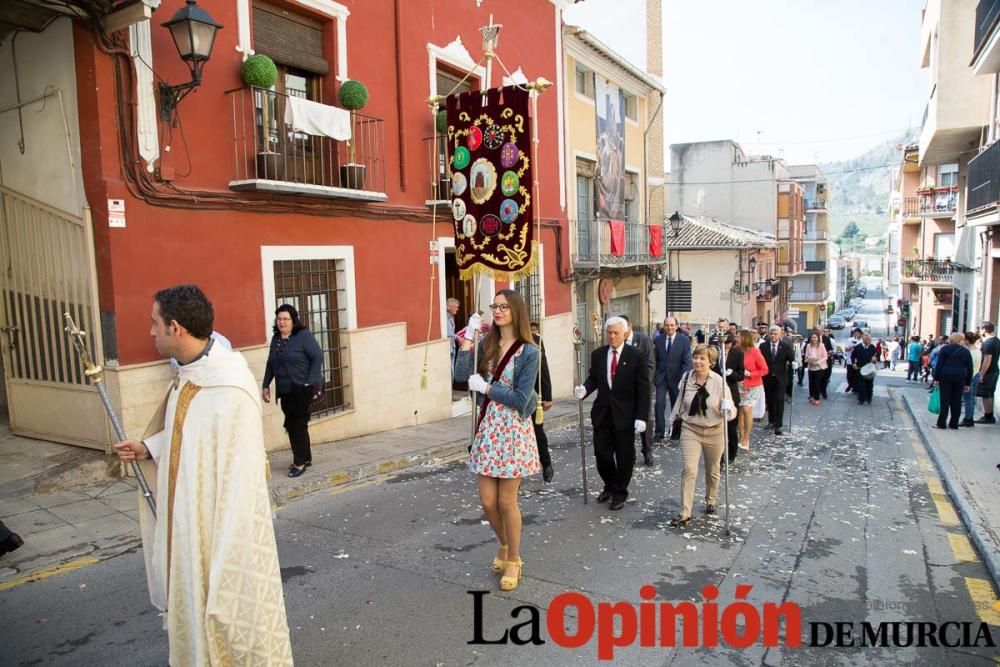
(851, 230)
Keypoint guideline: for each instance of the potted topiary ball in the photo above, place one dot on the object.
(353, 96)
(259, 71)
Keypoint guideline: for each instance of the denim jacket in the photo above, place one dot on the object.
(522, 397)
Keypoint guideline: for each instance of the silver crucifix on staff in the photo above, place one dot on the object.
(96, 376)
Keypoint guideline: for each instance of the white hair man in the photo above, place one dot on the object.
(620, 375)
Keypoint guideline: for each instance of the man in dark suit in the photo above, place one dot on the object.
(780, 358)
(544, 457)
(645, 345)
(673, 360)
(826, 337)
(619, 374)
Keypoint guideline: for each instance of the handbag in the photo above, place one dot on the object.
(675, 428)
(934, 404)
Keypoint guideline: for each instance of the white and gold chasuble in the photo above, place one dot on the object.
(211, 558)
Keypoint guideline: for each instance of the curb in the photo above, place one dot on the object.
(286, 492)
(970, 517)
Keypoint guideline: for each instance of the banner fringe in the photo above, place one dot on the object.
(469, 272)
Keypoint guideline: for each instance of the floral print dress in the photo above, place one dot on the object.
(504, 446)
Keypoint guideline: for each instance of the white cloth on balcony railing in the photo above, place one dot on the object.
(319, 119)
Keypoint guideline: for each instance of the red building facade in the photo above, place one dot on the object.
(224, 194)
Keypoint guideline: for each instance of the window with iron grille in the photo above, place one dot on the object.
(315, 287)
(530, 288)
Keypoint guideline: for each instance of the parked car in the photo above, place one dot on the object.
(837, 322)
(863, 325)
(846, 313)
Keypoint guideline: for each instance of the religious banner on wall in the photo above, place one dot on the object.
(610, 174)
(490, 156)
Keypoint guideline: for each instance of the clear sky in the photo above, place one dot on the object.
(812, 81)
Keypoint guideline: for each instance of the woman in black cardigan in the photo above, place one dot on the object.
(953, 374)
(295, 362)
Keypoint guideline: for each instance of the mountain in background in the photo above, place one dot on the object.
(860, 187)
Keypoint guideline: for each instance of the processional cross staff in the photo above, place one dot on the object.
(96, 376)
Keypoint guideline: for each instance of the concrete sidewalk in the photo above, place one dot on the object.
(66, 526)
(967, 461)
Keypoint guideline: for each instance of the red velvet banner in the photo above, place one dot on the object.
(655, 241)
(489, 149)
(617, 237)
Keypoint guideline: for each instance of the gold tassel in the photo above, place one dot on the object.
(539, 413)
(423, 376)
(267, 467)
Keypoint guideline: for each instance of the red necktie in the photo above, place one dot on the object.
(614, 363)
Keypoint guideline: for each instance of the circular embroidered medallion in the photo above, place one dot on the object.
(490, 224)
(458, 183)
(475, 138)
(482, 181)
(508, 155)
(493, 137)
(461, 158)
(509, 183)
(508, 211)
(458, 209)
(469, 226)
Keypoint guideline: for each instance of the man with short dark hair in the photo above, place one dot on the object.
(545, 392)
(673, 360)
(988, 371)
(210, 550)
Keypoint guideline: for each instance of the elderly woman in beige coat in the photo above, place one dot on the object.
(704, 406)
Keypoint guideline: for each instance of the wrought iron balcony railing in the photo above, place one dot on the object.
(270, 155)
(815, 235)
(940, 201)
(928, 270)
(807, 297)
(595, 247)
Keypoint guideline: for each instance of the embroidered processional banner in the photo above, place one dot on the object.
(489, 146)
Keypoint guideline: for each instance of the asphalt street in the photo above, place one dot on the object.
(838, 516)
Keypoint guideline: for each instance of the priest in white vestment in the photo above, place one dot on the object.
(211, 557)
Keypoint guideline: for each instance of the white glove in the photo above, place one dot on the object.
(747, 374)
(475, 324)
(795, 365)
(726, 405)
(640, 426)
(580, 391)
(729, 371)
(477, 383)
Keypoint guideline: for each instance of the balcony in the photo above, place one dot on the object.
(815, 266)
(815, 204)
(815, 235)
(807, 297)
(928, 270)
(938, 202)
(271, 156)
(767, 291)
(910, 210)
(593, 248)
(437, 165)
(986, 43)
(984, 180)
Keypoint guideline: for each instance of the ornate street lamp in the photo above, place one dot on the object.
(675, 223)
(193, 31)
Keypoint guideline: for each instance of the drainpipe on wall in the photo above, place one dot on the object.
(399, 96)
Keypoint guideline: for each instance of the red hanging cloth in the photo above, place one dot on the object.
(655, 241)
(617, 237)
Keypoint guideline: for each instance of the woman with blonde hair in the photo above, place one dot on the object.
(751, 388)
(704, 406)
(503, 450)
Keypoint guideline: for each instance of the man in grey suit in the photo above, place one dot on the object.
(673, 360)
(645, 345)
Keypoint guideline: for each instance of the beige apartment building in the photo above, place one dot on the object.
(938, 263)
(719, 180)
(983, 181)
(614, 146)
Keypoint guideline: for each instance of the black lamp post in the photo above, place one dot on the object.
(193, 32)
(675, 226)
